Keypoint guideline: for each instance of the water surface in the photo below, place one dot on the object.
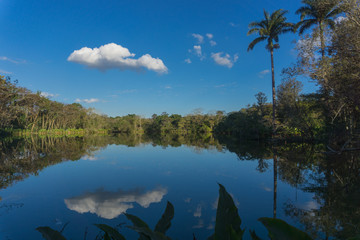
(50, 182)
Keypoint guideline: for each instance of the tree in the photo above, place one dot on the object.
(261, 101)
(319, 13)
(269, 29)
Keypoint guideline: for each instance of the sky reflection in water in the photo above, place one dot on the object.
(104, 181)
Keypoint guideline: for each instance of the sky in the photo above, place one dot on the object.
(142, 56)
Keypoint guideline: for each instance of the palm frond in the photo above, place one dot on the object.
(306, 24)
(336, 11)
(255, 41)
(253, 30)
(330, 23)
(270, 28)
(256, 24)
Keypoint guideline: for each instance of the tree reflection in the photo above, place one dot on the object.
(333, 180)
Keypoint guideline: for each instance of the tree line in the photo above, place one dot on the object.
(22, 109)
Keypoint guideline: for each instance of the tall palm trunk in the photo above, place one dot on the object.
(275, 183)
(273, 90)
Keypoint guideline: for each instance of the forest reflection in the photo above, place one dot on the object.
(334, 179)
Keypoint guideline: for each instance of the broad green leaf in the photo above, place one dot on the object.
(50, 234)
(227, 226)
(106, 236)
(280, 230)
(253, 235)
(112, 232)
(354, 238)
(139, 224)
(212, 237)
(235, 235)
(136, 221)
(149, 233)
(165, 222)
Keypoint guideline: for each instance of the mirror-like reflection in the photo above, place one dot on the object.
(318, 191)
(109, 205)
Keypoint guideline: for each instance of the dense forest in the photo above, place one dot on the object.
(328, 54)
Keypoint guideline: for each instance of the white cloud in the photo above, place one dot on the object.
(199, 37)
(263, 73)
(5, 72)
(198, 52)
(233, 24)
(309, 42)
(110, 56)
(197, 212)
(236, 57)
(187, 200)
(224, 60)
(340, 19)
(89, 158)
(200, 224)
(310, 205)
(3, 58)
(209, 35)
(109, 205)
(188, 60)
(48, 95)
(212, 43)
(91, 100)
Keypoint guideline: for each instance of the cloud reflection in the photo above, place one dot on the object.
(109, 205)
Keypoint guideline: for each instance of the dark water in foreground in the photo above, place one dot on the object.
(49, 182)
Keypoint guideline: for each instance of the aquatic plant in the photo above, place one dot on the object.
(227, 226)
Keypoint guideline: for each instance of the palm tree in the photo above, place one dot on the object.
(319, 13)
(269, 30)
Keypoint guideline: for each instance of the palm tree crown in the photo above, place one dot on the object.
(269, 29)
(319, 13)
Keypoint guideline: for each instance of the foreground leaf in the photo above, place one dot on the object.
(280, 230)
(112, 232)
(254, 236)
(149, 233)
(227, 226)
(138, 223)
(354, 238)
(165, 222)
(50, 234)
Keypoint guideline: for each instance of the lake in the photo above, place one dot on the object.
(86, 180)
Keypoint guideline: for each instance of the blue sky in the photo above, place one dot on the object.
(39, 38)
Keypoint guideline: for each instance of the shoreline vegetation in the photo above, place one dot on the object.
(330, 115)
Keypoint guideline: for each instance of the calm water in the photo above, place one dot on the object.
(50, 182)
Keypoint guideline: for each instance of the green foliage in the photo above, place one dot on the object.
(50, 234)
(165, 222)
(110, 232)
(253, 235)
(252, 123)
(280, 230)
(227, 226)
(160, 229)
